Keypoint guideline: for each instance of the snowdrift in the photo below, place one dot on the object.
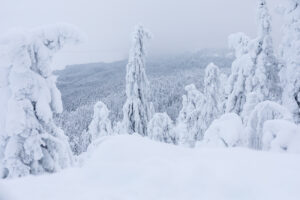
(132, 167)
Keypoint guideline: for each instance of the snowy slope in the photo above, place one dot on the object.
(131, 167)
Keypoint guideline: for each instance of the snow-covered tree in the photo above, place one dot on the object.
(199, 110)
(290, 55)
(263, 111)
(137, 110)
(101, 124)
(255, 68)
(212, 106)
(265, 81)
(281, 136)
(188, 126)
(161, 128)
(251, 101)
(33, 144)
(223, 96)
(224, 132)
(240, 71)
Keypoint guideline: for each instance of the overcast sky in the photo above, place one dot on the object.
(177, 25)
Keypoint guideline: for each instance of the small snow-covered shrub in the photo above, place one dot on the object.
(224, 132)
(101, 124)
(160, 128)
(188, 127)
(264, 111)
(281, 136)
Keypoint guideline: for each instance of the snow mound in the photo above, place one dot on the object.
(224, 132)
(132, 167)
(281, 136)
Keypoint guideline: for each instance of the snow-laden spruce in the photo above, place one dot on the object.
(265, 81)
(240, 71)
(200, 109)
(264, 111)
(290, 55)
(188, 126)
(137, 110)
(255, 69)
(212, 107)
(161, 128)
(281, 136)
(101, 124)
(31, 142)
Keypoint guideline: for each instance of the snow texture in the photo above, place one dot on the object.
(133, 167)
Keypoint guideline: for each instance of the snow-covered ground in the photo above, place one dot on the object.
(132, 167)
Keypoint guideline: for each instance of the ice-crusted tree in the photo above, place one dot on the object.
(33, 144)
(199, 110)
(264, 111)
(265, 81)
(255, 71)
(290, 55)
(100, 125)
(161, 128)
(240, 71)
(188, 126)
(137, 110)
(212, 105)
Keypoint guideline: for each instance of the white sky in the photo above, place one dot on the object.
(177, 25)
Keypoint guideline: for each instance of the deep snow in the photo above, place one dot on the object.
(132, 167)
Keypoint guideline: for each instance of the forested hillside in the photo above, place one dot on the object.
(83, 85)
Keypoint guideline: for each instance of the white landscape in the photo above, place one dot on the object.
(215, 124)
(132, 167)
